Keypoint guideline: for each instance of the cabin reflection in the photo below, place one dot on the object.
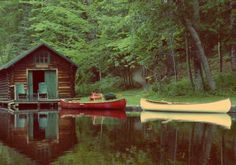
(41, 136)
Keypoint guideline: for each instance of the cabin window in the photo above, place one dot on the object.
(42, 57)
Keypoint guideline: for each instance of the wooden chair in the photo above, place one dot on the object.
(21, 93)
(42, 91)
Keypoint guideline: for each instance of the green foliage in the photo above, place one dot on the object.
(132, 156)
(61, 24)
(100, 147)
(114, 37)
(226, 85)
(179, 88)
(107, 84)
(13, 32)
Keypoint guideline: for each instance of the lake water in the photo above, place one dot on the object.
(104, 139)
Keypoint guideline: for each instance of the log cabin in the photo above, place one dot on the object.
(40, 64)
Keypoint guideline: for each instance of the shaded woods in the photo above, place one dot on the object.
(121, 44)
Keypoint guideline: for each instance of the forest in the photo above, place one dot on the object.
(171, 47)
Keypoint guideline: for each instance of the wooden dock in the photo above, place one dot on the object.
(30, 105)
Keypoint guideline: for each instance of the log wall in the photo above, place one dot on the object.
(18, 73)
(4, 86)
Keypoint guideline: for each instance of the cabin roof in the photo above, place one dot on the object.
(26, 53)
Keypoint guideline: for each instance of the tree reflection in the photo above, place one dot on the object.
(190, 143)
(117, 145)
(126, 141)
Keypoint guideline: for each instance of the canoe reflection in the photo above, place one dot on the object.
(99, 117)
(119, 114)
(223, 120)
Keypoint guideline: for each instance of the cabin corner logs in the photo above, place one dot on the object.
(40, 64)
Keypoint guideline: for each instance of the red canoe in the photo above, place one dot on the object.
(101, 105)
(119, 114)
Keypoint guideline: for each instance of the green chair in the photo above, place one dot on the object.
(42, 91)
(21, 93)
(43, 119)
(20, 120)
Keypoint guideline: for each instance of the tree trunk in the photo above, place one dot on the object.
(131, 83)
(234, 148)
(196, 13)
(198, 83)
(172, 53)
(219, 43)
(233, 34)
(176, 145)
(169, 64)
(220, 55)
(191, 133)
(188, 60)
(161, 145)
(100, 73)
(197, 64)
(124, 77)
(233, 57)
(169, 58)
(201, 55)
(222, 150)
(206, 145)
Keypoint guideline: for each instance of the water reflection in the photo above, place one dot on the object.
(119, 114)
(40, 136)
(221, 119)
(205, 142)
(107, 138)
(39, 126)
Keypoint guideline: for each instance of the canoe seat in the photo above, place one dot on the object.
(95, 96)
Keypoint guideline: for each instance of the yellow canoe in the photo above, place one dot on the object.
(221, 119)
(222, 106)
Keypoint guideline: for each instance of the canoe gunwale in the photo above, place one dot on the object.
(91, 102)
(180, 112)
(168, 103)
(114, 104)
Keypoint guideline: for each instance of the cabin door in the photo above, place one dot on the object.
(47, 76)
(51, 81)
